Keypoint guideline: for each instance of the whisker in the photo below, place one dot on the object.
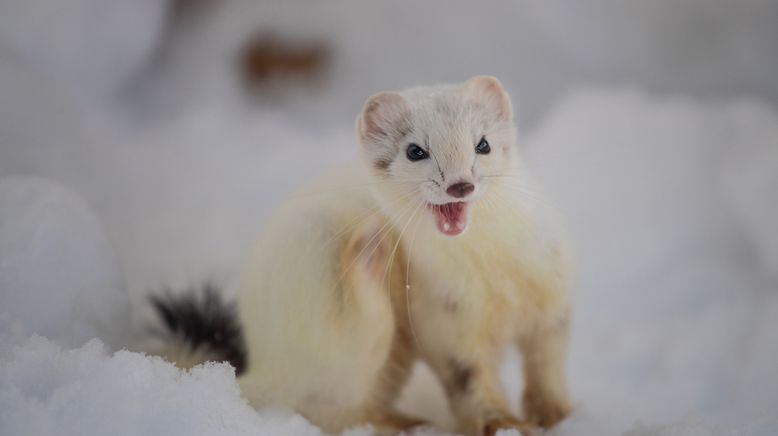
(384, 231)
(365, 216)
(523, 190)
(338, 189)
(408, 290)
(390, 263)
(522, 218)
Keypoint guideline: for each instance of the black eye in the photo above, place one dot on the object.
(483, 147)
(414, 153)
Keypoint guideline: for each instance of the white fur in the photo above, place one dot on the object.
(503, 281)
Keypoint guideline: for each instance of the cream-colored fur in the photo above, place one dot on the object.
(351, 281)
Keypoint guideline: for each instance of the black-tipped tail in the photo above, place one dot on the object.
(204, 324)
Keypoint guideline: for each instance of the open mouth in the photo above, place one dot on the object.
(450, 218)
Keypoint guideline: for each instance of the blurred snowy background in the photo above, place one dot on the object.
(143, 142)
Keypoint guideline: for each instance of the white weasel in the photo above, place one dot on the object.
(451, 256)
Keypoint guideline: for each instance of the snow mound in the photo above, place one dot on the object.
(751, 181)
(674, 297)
(45, 390)
(58, 273)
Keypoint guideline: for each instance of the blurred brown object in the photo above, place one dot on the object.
(267, 56)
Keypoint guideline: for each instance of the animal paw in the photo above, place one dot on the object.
(543, 410)
(396, 422)
(492, 426)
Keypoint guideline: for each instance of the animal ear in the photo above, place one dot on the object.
(384, 115)
(489, 91)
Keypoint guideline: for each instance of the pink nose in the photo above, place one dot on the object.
(460, 190)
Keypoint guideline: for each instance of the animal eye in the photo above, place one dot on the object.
(414, 153)
(483, 146)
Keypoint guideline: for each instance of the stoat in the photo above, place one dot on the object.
(437, 246)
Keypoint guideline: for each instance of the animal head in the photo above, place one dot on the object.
(436, 151)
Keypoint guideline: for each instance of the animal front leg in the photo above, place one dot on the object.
(475, 394)
(544, 349)
(463, 344)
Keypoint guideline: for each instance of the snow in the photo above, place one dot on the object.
(79, 294)
(45, 390)
(91, 48)
(541, 49)
(119, 176)
(672, 304)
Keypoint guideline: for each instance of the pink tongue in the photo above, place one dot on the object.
(451, 218)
